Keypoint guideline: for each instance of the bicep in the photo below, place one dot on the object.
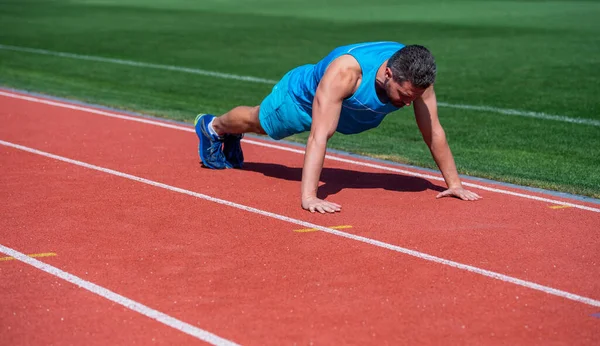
(337, 84)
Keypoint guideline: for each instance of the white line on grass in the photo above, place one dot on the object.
(421, 255)
(522, 113)
(139, 64)
(119, 299)
(279, 147)
(489, 109)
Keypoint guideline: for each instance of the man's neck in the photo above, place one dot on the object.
(380, 82)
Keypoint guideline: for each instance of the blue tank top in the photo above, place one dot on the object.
(361, 111)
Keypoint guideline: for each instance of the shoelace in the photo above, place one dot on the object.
(214, 150)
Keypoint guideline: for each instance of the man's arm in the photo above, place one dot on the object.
(434, 136)
(338, 82)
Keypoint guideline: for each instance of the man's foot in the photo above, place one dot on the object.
(233, 150)
(210, 147)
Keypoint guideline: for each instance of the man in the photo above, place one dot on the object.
(351, 90)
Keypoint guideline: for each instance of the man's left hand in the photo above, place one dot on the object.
(461, 193)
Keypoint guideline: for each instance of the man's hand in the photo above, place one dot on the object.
(313, 204)
(461, 193)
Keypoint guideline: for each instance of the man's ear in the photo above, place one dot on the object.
(388, 72)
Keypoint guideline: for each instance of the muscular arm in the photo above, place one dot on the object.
(338, 82)
(434, 136)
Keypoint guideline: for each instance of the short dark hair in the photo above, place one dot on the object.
(415, 64)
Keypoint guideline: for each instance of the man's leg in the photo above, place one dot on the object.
(277, 116)
(220, 137)
(242, 119)
(232, 126)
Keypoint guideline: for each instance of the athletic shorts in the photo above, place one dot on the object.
(280, 116)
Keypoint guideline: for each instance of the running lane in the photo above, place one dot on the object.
(388, 207)
(519, 237)
(246, 278)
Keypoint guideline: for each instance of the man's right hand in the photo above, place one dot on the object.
(314, 204)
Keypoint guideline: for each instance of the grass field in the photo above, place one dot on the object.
(537, 56)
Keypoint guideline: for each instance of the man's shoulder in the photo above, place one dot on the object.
(346, 63)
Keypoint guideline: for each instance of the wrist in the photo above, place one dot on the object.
(308, 197)
(455, 186)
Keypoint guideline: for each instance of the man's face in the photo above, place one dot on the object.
(401, 94)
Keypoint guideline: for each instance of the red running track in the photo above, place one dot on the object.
(250, 278)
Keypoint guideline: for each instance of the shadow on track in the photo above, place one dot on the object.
(336, 179)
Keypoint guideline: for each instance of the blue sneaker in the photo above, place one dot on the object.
(210, 148)
(233, 150)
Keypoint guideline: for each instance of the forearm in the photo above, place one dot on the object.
(440, 150)
(313, 165)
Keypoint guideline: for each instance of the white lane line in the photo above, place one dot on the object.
(488, 109)
(119, 299)
(298, 151)
(421, 255)
(528, 114)
(139, 64)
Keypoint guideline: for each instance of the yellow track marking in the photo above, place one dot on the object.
(45, 254)
(314, 229)
(558, 206)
